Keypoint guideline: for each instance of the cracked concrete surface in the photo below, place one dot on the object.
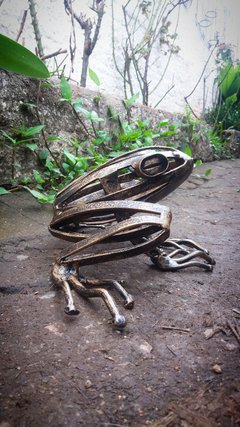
(59, 371)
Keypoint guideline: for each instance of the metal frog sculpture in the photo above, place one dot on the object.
(112, 209)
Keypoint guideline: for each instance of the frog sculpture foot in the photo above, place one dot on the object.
(176, 254)
(68, 277)
(111, 213)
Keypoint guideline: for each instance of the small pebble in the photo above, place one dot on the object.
(88, 384)
(216, 369)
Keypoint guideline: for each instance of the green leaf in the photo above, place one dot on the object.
(25, 180)
(41, 197)
(3, 191)
(188, 151)
(9, 137)
(43, 155)
(33, 130)
(66, 167)
(148, 140)
(163, 123)
(229, 80)
(32, 147)
(94, 117)
(79, 109)
(77, 103)
(54, 138)
(168, 133)
(49, 165)
(128, 103)
(52, 167)
(27, 132)
(93, 76)
(70, 158)
(46, 85)
(38, 177)
(66, 90)
(198, 162)
(230, 100)
(39, 187)
(208, 172)
(17, 59)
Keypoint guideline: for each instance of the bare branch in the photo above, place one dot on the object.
(51, 55)
(72, 39)
(35, 25)
(22, 24)
(168, 61)
(137, 54)
(100, 13)
(203, 70)
(87, 25)
(113, 45)
(135, 63)
(164, 96)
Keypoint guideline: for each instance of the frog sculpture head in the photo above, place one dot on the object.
(146, 174)
(113, 210)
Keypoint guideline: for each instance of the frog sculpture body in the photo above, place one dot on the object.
(112, 209)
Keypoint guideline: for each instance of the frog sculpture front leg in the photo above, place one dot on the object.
(68, 276)
(113, 211)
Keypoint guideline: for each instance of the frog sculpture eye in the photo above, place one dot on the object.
(112, 210)
(151, 166)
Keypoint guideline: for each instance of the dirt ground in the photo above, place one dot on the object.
(177, 362)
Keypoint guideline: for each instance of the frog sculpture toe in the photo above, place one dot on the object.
(113, 211)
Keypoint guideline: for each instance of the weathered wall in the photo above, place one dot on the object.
(197, 25)
(17, 95)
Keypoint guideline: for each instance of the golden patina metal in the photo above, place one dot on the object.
(112, 210)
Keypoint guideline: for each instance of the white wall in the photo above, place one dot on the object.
(197, 25)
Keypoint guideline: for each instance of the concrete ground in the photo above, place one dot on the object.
(176, 363)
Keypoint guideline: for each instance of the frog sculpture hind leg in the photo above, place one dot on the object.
(113, 211)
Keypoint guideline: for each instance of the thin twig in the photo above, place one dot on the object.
(165, 94)
(51, 55)
(72, 43)
(85, 129)
(59, 65)
(135, 62)
(201, 75)
(113, 45)
(173, 328)
(21, 25)
(169, 58)
(236, 311)
(169, 348)
(234, 329)
(42, 131)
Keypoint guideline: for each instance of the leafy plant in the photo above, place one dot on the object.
(219, 146)
(224, 116)
(95, 146)
(225, 113)
(21, 136)
(229, 81)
